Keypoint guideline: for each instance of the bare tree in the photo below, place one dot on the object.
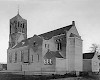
(95, 48)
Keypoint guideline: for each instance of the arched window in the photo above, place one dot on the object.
(38, 57)
(18, 24)
(34, 43)
(22, 54)
(45, 45)
(59, 46)
(48, 62)
(23, 25)
(15, 57)
(10, 57)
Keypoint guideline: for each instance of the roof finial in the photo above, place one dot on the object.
(73, 23)
(18, 9)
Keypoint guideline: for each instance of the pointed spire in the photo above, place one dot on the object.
(18, 9)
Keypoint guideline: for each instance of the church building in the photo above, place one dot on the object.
(56, 51)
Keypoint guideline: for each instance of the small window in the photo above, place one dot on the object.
(15, 57)
(48, 45)
(34, 43)
(48, 62)
(18, 24)
(59, 46)
(45, 61)
(22, 56)
(10, 57)
(45, 45)
(38, 57)
(23, 25)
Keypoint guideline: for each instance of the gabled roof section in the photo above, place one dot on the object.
(51, 54)
(88, 55)
(56, 32)
(58, 55)
(35, 42)
(27, 42)
(17, 17)
(22, 43)
(48, 55)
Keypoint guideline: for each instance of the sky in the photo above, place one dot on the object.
(46, 15)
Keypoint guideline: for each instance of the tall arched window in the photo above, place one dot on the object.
(38, 57)
(15, 57)
(22, 54)
(10, 57)
(59, 46)
(23, 25)
(18, 24)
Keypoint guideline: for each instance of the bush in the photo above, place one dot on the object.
(84, 74)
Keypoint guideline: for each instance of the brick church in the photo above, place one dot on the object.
(59, 50)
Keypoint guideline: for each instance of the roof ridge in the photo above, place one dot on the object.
(55, 32)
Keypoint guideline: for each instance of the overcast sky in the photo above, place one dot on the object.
(47, 15)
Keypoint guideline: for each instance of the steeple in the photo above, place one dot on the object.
(18, 30)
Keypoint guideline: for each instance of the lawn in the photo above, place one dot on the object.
(10, 76)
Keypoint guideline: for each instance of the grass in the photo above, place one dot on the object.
(9, 76)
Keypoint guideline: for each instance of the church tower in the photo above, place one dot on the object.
(18, 30)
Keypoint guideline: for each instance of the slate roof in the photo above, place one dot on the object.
(26, 42)
(88, 55)
(17, 17)
(56, 32)
(47, 35)
(51, 54)
(22, 43)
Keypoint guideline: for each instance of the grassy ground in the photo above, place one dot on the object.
(9, 76)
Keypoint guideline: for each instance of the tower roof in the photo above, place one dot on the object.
(18, 17)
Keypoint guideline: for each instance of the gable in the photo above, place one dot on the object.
(73, 31)
(96, 57)
(52, 54)
(29, 42)
(36, 39)
(35, 42)
(22, 43)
